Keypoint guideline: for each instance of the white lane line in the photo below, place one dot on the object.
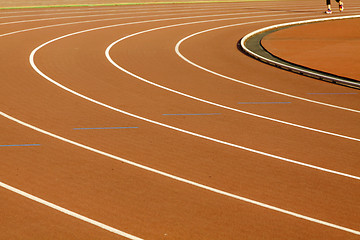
(129, 11)
(176, 178)
(279, 9)
(177, 47)
(187, 181)
(96, 10)
(130, 23)
(164, 10)
(32, 62)
(121, 18)
(52, 14)
(116, 231)
(289, 66)
(68, 212)
(174, 12)
(150, 7)
(107, 53)
(49, 10)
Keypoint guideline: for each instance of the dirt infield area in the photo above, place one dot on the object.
(22, 3)
(320, 46)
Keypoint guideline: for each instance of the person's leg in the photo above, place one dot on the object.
(341, 5)
(328, 11)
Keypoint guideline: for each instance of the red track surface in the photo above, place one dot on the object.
(211, 145)
(330, 46)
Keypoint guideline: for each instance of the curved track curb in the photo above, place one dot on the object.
(251, 45)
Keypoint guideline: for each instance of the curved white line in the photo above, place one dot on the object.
(49, 10)
(46, 14)
(150, 7)
(245, 83)
(206, 101)
(68, 212)
(287, 66)
(96, 28)
(158, 172)
(31, 59)
(174, 12)
(176, 178)
(130, 23)
(96, 10)
(71, 17)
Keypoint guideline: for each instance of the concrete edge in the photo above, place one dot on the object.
(251, 45)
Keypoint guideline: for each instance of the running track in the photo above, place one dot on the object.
(135, 122)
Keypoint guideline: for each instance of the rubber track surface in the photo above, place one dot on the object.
(214, 145)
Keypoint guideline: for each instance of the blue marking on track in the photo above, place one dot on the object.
(264, 102)
(189, 114)
(20, 145)
(101, 128)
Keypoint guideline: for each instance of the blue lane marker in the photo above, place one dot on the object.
(20, 145)
(264, 102)
(190, 114)
(331, 93)
(104, 128)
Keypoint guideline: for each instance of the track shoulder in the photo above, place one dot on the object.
(251, 45)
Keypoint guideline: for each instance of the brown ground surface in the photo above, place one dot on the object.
(149, 205)
(332, 46)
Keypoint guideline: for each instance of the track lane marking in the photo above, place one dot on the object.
(190, 114)
(295, 68)
(125, 24)
(32, 63)
(143, 167)
(177, 47)
(205, 187)
(175, 12)
(264, 102)
(107, 53)
(111, 19)
(64, 24)
(20, 145)
(148, 9)
(130, 7)
(103, 128)
(334, 93)
(68, 212)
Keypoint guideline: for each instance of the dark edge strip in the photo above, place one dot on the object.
(254, 45)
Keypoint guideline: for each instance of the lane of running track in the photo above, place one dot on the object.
(146, 204)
